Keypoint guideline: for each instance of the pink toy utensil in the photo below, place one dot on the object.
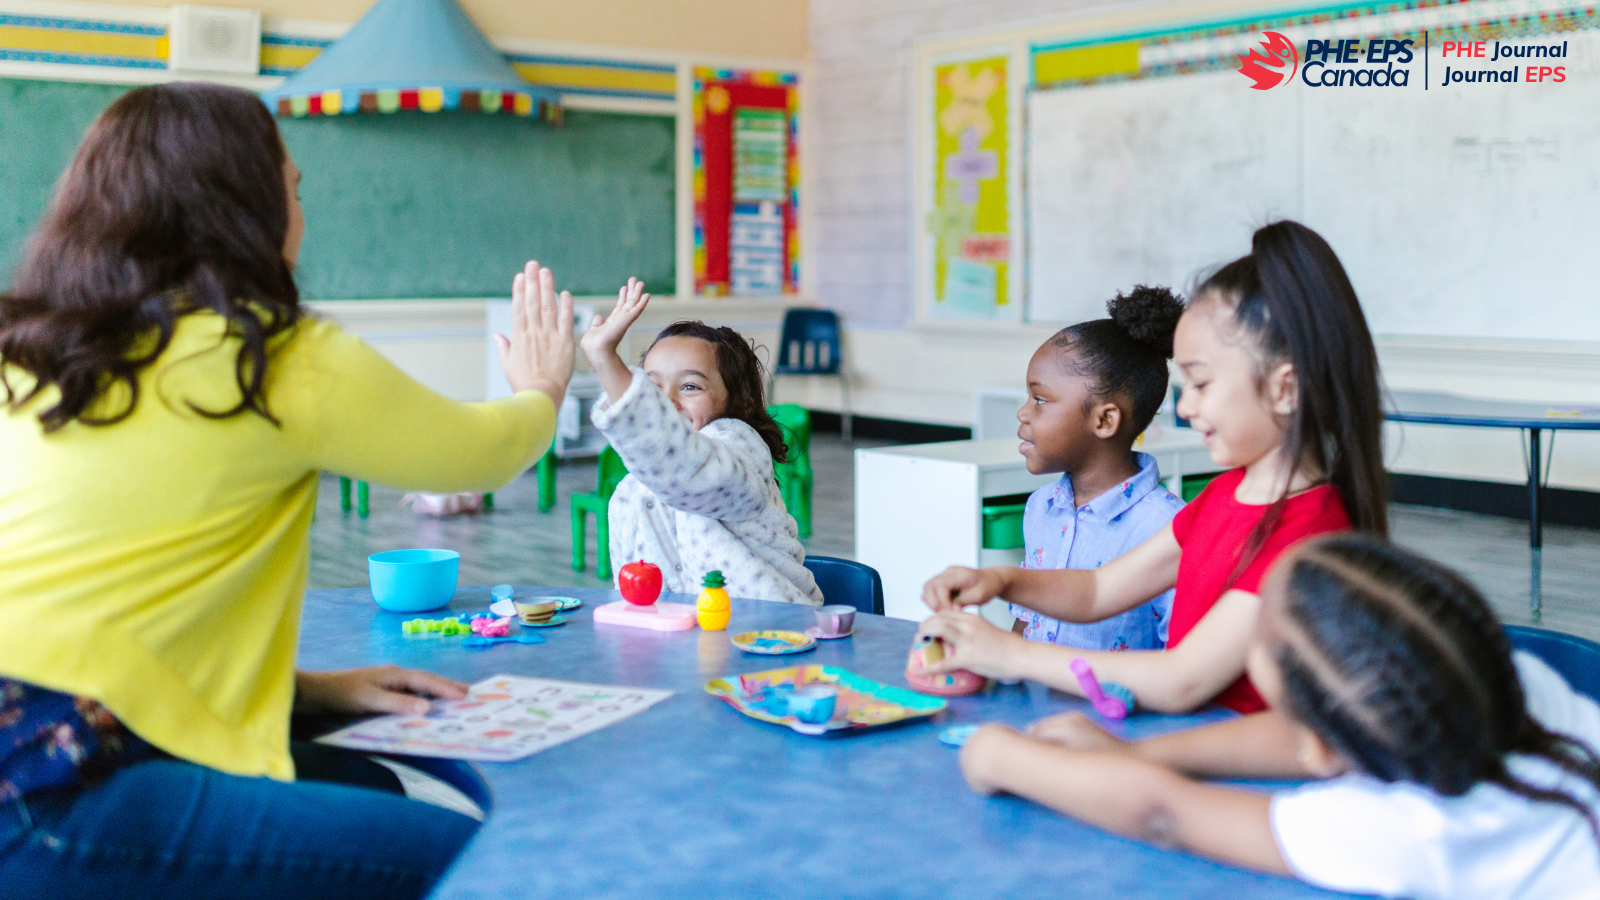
(1110, 707)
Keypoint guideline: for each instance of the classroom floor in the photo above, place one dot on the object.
(517, 544)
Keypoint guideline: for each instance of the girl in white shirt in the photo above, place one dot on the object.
(1448, 765)
(693, 428)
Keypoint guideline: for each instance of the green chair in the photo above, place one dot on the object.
(545, 470)
(363, 508)
(612, 471)
(795, 476)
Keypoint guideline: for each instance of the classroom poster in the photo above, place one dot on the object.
(746, 182)
(969, 221)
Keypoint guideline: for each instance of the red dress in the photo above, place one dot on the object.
(1213, 531)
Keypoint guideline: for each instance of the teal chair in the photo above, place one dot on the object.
(612, 471)
(795, 476)
(364, 508)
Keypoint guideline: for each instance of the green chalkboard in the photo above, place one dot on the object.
(415, 205)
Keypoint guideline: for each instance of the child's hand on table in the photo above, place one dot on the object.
(973, 644)
(982, 756)
(539, 353)
(1076, 731)
(958, 587)
(374, 689)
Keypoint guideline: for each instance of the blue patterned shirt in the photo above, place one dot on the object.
(1059, 534)
(50, 739)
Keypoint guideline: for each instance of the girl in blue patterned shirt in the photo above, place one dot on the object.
(1092, 390)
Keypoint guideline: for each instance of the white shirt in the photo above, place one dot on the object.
(695, 501)
(1356, 833)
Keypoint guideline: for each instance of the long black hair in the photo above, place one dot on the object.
(1293, 300)
(742, 374)
(1398, 664)
(1125, 357)
(175, 203)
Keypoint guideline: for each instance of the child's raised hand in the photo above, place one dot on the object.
(973, 644)
(606, 332)
(959, 586)
(1076, 731)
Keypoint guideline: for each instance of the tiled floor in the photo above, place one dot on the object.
(516, 543)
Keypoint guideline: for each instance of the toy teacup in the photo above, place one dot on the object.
(929, 650)
(537, 610)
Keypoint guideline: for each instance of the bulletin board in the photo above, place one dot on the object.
(746, 182)
(969, 224)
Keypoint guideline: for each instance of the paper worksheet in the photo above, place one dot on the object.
(503, 718)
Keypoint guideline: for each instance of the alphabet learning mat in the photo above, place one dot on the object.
(502, 718)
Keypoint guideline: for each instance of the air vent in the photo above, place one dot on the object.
(208, 39)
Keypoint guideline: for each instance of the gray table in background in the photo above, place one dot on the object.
(1426, 408)
(690, 799)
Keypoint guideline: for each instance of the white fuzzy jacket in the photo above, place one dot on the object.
(695, 501)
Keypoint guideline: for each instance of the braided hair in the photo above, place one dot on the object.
(1398, 664)
(742, 374)
(1125, 357)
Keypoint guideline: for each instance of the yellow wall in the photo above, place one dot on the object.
(765, 28)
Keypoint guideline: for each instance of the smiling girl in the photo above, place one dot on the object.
(691, 425)
(1281, 377)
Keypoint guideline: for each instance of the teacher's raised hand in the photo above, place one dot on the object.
(539, 353)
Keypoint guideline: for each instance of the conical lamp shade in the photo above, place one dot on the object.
(410, 54)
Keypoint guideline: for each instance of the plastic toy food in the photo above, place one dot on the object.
(925, 652)
(640, 583)
(712, 607)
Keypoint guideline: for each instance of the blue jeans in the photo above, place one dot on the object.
(164, 828)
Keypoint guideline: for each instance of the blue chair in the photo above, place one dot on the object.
(1576, 659)
(848, 583)
(810, 345)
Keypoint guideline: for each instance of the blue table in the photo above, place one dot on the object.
(1425, 408)
(691, 799)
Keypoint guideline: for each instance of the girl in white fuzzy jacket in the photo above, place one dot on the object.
(693, 428)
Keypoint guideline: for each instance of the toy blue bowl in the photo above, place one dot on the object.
(409, 581)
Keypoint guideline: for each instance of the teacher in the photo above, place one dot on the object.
(166, 407)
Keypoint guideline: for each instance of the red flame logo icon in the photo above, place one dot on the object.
(1266, 69)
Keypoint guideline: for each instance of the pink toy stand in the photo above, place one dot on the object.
(656, 617)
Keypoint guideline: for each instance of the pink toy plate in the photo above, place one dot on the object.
(863, 704)
(656, 616)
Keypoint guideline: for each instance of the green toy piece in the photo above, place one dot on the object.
(713, 579)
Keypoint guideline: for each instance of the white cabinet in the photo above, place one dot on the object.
(919, 508)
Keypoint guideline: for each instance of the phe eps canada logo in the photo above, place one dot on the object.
(1274, 64)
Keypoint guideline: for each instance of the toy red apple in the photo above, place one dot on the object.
(640, 583)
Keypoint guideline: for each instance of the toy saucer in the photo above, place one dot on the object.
(956, 735)
(505, 607)
(816, 633)
(551, 622)
(773, 643)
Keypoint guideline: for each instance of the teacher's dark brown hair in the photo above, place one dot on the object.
(175, 203)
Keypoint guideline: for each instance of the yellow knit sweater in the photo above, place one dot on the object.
(158, 565)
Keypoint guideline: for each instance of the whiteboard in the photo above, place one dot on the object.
(1468, 211)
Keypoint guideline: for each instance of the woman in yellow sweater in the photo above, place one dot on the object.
(166, 407)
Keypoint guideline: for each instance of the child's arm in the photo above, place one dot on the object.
(1127, 795)
(606, 332)
(1177, 680)
(1264, 745)
(1070, 595)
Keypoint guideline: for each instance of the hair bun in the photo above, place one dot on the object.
(1149, 315)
